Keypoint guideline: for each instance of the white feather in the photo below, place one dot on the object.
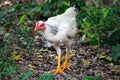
(66, 24)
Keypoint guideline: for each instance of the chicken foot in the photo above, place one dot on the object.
(65, 63)
(59, 69)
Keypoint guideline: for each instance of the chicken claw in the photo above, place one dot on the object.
(57, 71)
(65, 64)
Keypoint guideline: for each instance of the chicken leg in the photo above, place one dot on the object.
(59, 69)
(65, 64)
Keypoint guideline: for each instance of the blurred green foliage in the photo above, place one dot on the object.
(46, 77)
(1, 13)
(101, 25)
(26, 75)
(25, 39)
(88, 77)
(7, 67)
(116, 51)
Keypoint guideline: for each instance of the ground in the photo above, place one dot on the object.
(82, 62)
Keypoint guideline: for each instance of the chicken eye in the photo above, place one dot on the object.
(37, 24)
(42, 24)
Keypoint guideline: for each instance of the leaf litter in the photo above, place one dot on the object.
(45, 59)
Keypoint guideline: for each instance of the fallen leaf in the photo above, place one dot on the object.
(37, 37)
(73, 50)
(117, 68)
(42, 50)
(82, 51)
(91, 52)
(102, 55)
(80, 31)
(40, 58)
(109, 58)
(85, 62)
(31, 66)
(20, 62)
(95, 47)
(7, 28)
(15, 56)
(111, 64)
(25, 43)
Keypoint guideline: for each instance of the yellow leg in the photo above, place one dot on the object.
(65, 64)
(59, 69)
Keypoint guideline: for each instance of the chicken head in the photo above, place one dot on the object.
(40, 25)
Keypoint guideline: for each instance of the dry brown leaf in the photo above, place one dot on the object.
(82, 51)
(91, 52)
(80, 31)
(15, 56)
(31, 66)
(95, 47)
(37, 37)
(117, 68)
(20, 62)
(102, 55)
(85, 62)
(40, 58)
(109, 58)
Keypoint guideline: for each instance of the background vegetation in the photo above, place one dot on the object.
(98, 23)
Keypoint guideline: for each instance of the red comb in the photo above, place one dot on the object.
(37, 24)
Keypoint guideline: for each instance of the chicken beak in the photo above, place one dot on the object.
(35, 29)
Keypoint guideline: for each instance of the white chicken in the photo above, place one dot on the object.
(60, 30)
